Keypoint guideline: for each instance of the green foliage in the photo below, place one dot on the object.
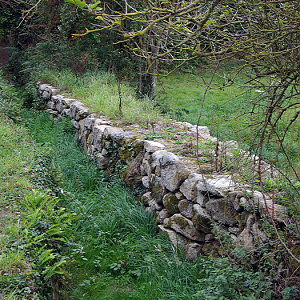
(34, 229)
(224, 107)
(17, 153)
(10, 103)
(215, 284)
(46, 230)
(121, 255)
(77, 2)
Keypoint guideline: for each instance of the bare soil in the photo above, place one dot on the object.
(4, 56)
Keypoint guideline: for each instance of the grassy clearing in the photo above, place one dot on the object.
(224, 107)
(100, 92)
(228, 112)
(118, 253)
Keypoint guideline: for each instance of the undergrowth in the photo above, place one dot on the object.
(32, 227)
(118, 253)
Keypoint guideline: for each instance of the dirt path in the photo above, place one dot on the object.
(4, 56)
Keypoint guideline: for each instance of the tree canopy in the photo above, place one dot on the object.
(263, 35)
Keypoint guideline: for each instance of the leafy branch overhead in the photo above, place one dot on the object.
(263, 35)
(171, 27)
(252, 30)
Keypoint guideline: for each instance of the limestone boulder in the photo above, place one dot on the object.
(146, 182)
(132, 175)
(88, 123)
(51, 106)
(189, 186)
(66, 112)
(102, 121)
(145, 199)
(59, 105)
(151, 146)
(185, 227)
(191, 249)
(98, 136)
(45, 92)
(109, 130)
(203, 132)
(154, 206)
(145, 167)
(245, 238)
(162, 215)
(67, 102)
(222, 210)
(173, 172)
(120, 138)
(176, 239)
(78, 111)
(186, 208)
(219, 185)
(157, 188)
(154, 160)
(202, 198)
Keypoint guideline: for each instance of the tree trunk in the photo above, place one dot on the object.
(153, 67)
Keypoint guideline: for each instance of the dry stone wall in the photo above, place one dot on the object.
(193, 203)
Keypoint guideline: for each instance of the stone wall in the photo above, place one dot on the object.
(195, 201)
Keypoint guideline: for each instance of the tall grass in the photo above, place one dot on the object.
(224, 106)
(118, 253)
(100, 92)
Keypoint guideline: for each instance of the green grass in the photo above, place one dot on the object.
(227, 113)
(23, 224)
(223, 106)
(118, 253)
(15, 162)
(99, 92)
(17, 154)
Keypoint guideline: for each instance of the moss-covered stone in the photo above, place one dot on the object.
(132, 175)
(185, 227)
(186, 208)
(201, 219)
(213, 249)
(170, 202)
(158, 190)
(222, 211)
